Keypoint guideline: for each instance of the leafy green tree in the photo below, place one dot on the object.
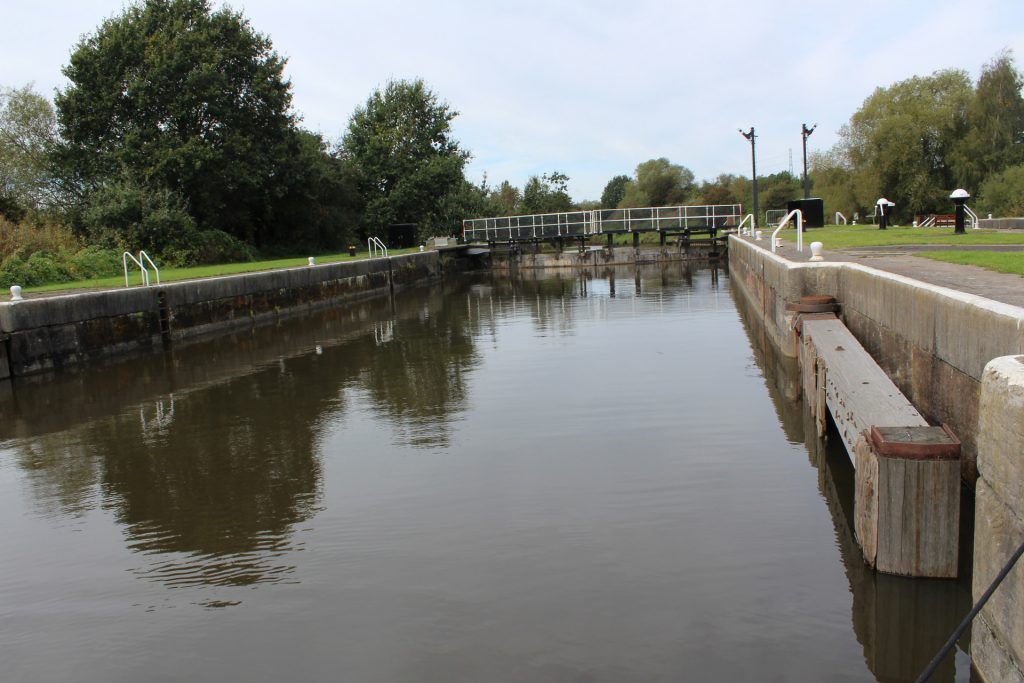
(721, 190)
(775, 190)
(614, 191)
(178, 96)
(659, 182)
(401, 142)
(995, 124)
(1002, 194)
(899, 142)
(504, 200)
(833, 181)
(546, 194)
(28, 132)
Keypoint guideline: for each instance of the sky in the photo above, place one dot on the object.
(587, 88)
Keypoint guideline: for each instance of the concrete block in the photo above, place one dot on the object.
(998, 530)
(1001, 429)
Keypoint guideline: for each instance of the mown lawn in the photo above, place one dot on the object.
(999, 261)
(846, 236)
(175, 274)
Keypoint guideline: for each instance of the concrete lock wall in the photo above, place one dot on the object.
(932, 341)
(957, 357)
(45, 333)
(997, 646)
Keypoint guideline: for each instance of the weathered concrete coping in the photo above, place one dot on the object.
(78, 307)
(965, 330)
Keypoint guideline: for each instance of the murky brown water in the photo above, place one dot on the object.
(598, 477)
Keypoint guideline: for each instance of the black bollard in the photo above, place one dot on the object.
(960, 198)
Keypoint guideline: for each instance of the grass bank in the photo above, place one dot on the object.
(999, 261)
(847, 236)
(176, 274)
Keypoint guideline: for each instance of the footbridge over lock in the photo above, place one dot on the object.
(706, 222)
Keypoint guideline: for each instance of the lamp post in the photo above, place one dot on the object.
(753, 168)
(805, 133)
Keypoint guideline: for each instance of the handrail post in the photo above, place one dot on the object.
(799, 229)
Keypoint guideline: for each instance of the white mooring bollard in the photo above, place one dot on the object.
(816, 249)
(16, 293)
(312, 261)
(757, 235)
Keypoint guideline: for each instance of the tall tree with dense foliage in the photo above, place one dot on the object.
(994, 138)
(900, 141)
(548, 193)
(401, 141)
(659, 182)
(173, 95)
(28, 132)
(614, 191)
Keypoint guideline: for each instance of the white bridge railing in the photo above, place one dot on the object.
(602, 221)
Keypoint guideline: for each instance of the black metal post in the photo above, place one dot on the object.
(960, 198)
(805, 133)
(753, 170)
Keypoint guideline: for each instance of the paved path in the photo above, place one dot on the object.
(900, 260)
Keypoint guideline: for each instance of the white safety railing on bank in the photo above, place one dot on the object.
(799, 229)
(139, 261)
(376, 247)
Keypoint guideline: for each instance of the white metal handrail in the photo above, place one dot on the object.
(749, 217)
(973, 216)
(840, 214)
(928, 222)
(599, 221)
(376, 247)
(145, 274)
(144, 256)
(799, 229)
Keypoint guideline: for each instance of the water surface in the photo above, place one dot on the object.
(597, 476)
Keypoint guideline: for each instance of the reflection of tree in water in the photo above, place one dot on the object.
(210, 482)
(222, 481)
(415, 371)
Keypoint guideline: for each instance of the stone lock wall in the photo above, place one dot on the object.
(45, 333)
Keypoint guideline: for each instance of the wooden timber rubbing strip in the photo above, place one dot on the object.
(915, 443)
(858, 393)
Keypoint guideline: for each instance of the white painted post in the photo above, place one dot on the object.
(16, 293)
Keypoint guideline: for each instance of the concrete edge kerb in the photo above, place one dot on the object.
(991, 305)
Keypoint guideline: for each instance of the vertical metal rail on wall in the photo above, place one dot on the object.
(376, 247)
(145, 274)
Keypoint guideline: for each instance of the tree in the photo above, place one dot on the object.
(504, 200)
(995, 124)
(401, 142)
(899, 142)
(1002, 194)
(776, 190)
(546, 194)
(28, 132)
(614, 191)
(721, 190)
(178, 96)
(833, 182)
(659, 183)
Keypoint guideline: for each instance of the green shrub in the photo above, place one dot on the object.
(1002, 194)
(128, 217)
(94, 262)
(212, 246)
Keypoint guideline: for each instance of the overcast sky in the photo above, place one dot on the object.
(587, 88)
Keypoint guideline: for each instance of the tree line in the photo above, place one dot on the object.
(176, 133)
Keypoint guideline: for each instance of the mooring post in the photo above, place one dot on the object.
(661, 238)
(610, 241)
(636, 239)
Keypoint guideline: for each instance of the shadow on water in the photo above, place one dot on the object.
(208, 454)
(901, 623)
